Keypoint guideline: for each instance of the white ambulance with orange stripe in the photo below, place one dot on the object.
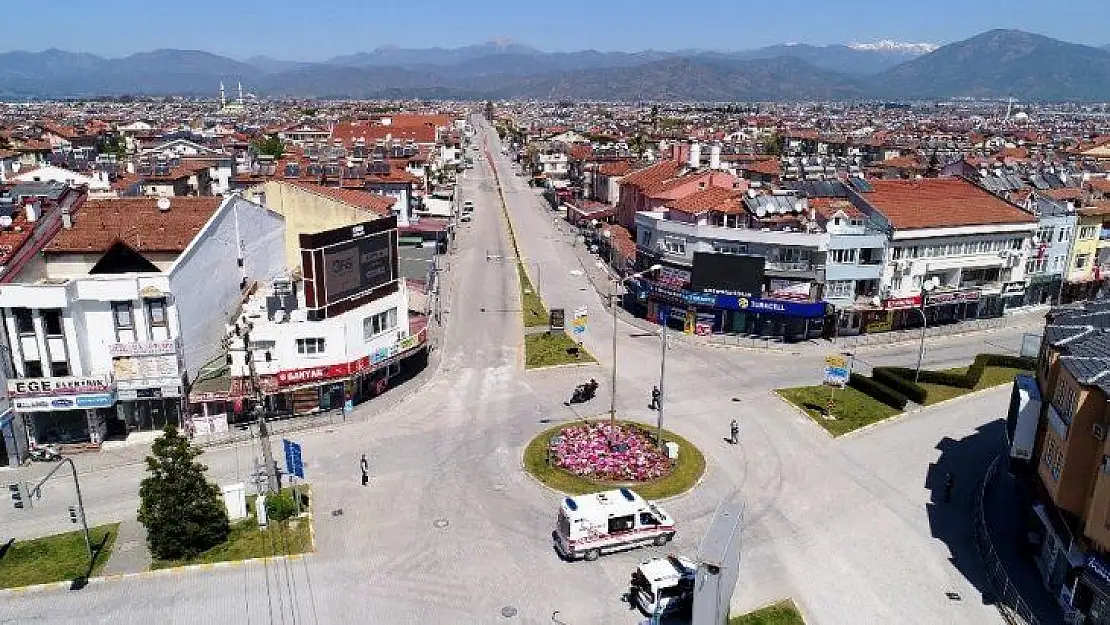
(614, 520)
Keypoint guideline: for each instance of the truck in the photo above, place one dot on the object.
(613, 520)
(663, 585)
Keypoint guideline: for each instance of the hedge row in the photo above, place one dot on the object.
(878, 391)
(899, 382)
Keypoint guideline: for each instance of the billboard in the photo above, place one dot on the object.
(347, 265)
(729, 274)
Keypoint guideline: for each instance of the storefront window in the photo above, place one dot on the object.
(149, 414)
(63, 426)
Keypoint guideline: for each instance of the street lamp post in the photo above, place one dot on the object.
(612, 304)
(926, 286)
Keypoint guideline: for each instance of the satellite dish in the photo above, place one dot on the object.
(163, 203)
(5, 221)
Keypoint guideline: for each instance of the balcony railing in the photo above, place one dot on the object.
(790, 266)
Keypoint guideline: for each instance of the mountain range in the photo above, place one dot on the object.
(998, 63)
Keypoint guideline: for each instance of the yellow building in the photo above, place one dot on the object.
(309, 207)
(1084, 275)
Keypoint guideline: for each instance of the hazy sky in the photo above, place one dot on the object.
(318, 29)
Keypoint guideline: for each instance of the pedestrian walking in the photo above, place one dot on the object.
(734, 432)
(364, 464)
(655, 395)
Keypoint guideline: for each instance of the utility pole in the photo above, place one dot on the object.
(272, 484)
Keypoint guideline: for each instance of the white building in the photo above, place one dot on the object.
(971, 242)
(314, 348)
(125, 304)
(98, 183)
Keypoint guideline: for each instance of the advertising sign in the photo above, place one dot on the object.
(837, 370)
(790, 289)
(578, 326)
(902, 303)
(951, 297)
(676, 278)
(294, 464)
(704, 324)
(143, 348)
(731, 274)
(48, 387)
(312, 374)
(343, 263)
(63, 402)
(557, 319)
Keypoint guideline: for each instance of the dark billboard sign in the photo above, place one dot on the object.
(728, 274)
(345, 264)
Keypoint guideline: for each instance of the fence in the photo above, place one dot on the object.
(1010, 604)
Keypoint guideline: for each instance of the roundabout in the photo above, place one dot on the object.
(586, 456)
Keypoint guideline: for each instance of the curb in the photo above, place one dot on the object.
(569, 365)
(177, 570)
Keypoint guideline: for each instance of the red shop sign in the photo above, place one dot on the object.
(899, 303)
(313, 374)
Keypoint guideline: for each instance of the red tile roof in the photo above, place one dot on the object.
(137, 223)
(716, 199)
(1100, 184)
(348, 132)
(377, 204)
(941, 203)
(1095, 209)
(1064, 193)
(650, 178)
(615, 168)
(767, 167)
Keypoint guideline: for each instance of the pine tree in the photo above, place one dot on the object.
(183, 512)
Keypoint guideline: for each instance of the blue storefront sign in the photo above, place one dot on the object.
(807, 310)
(100, 400)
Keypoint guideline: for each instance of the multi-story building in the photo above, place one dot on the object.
(1084, 274)
(971, 242)
(322, 342)
(125, 304)
(854, 265)
(1048, 257)
(1070, 460)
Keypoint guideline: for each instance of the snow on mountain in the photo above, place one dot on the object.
(889, 45)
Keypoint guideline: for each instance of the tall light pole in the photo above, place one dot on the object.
(613, 305)
(926, 286)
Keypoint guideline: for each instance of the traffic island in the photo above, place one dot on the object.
(781, 613)
(592, 455)
(290, 535)
(553, 349)
(851, 409)
(57, 558)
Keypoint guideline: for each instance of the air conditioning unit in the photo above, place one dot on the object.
(1098, 430)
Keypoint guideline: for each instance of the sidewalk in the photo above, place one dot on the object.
(130, 554)
(1005, 511)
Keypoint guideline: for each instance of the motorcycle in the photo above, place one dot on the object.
(583, 392)
(48, 453)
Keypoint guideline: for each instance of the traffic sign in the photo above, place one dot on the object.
(294, 465)
(837, 370)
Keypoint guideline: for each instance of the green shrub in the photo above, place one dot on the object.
(280, 507)
(904, 385)
(1010, 362)
(878, 391)
(959, 380)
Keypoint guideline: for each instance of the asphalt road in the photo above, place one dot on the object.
(451, 531)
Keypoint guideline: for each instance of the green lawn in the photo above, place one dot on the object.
(248, 541)
(547, 350)
(56, 558)
(992, 376)
(781, 613)
(690, 467)
(851, 408)
(535, 314)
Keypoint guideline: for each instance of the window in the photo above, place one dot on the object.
(730, 248)
(1057, 262)
(839, 288)
(647, 518)
(1053, 457)
(621, 523)
(842, 257)
(59, 369)
(121, 315)
(896, 253)
(1082, 261)
(310, 347)
(674, 246)
(381, 322)
(1036, 265)
(52, 321)
(24, 324)
(156, 312)
(1064, 234)
(1066, 398)
(1044, 235)
(1088, 232)
(32, 369)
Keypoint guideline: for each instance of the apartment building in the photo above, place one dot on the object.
(125, 304)
(951, 233)
(1051, 245)
(1089, 260)
(1070, 462)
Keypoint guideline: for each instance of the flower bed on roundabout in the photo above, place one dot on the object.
(587, 456)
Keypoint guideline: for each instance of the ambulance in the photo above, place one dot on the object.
(613, 520)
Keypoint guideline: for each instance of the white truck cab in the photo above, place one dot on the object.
(613, 520)
(663, 585)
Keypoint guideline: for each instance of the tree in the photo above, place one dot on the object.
(638, 144)
(182, 511)
(774, 145)
(271, 145)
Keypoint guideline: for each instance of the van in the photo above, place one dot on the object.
(609, 521)
(663, 585)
